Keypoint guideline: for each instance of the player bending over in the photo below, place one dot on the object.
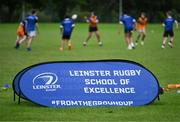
(129, 23)
(32, 27)
(66, 28)
(141, 28)
(93, 28)
(21, 33)
(168, 29)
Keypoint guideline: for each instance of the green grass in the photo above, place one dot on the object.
(164, 63)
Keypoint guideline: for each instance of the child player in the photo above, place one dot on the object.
(141, 28)
(32, 27)
(66, 28)
(93, 28)
(128, 23)
(21, 33)
(168, 29)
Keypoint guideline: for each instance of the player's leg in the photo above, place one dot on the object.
(143, 37)
(98, 38)
(131, 40)
(165, 36)
(20, 36)
(22, 39)
(170, 43)
(29, 43)
(31, 35)
(17, 42)
(87, 39)
(62, 41)
(127, 39)
(164, 42)
(62, 44)
(69, 44)
(138, 37)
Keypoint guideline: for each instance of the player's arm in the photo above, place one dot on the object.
(97, 20)
(37, 28)
(163, 23)
(120, 26)
(135, 24)
(177, 25)
(86, 19)
(61, 29)
(73, 25)
(37, 25)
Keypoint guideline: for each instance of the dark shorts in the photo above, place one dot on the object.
(168, 33)
(66, 37)
(128, 30)
(93, 29)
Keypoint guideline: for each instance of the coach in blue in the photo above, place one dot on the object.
(66, 28)
(168, 29)
(128, 23)
(32, 26)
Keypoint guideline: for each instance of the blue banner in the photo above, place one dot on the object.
(88, 83)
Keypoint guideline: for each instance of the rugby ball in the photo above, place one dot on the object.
(74, 16)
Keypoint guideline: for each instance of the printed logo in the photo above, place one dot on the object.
(46, 81)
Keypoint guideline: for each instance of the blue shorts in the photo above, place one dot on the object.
(128, 30)
(66, 36)
(168, 33)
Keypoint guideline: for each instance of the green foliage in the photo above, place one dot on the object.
(107, 10)
(164, 63)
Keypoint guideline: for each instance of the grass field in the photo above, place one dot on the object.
(164, 63)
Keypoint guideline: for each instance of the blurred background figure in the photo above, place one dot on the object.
(141, 28)
(129, 25)
(66, 28)
(168, 29)
(93, 28)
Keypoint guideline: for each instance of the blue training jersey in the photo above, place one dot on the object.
(67, 24)
(127, 21)
(31, 23)
(168, 23)
(24, 23)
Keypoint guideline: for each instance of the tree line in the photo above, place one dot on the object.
(107, 10)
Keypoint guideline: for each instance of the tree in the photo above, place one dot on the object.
(107, 10)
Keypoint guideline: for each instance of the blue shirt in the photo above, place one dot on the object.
(24, 23)
(31, 23)
(168, 23)
(67, 24)
(127, 21)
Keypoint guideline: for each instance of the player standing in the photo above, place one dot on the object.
(129, 23)
(21, 33)
(66, 28)
(32, 27)
(93, 28)
(168, 29)
(141, 28)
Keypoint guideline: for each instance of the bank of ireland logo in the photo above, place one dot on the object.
(46, 81)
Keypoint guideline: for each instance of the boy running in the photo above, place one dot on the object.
(168, 29)
(32, 27)
(21, 33)
(141, 28)
(128, 23)
(66, 28)
(93, 28)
